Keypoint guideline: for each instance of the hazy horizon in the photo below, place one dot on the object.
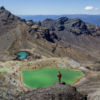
(57, 14)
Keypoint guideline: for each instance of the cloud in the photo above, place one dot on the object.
(88, 8)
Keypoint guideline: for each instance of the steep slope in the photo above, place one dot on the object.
(11, 28)
(17, 34)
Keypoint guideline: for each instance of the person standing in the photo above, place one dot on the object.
(59, 77)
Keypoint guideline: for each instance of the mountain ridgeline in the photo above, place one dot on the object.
(92, 19)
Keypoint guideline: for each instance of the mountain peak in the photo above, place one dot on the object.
(63, 18)
(6, 17)
(2, 8)
(48, 19)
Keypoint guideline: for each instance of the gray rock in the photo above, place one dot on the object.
(29, 23)
(55, 92)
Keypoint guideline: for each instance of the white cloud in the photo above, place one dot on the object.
(88, 8)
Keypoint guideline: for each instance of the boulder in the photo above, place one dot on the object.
(29, 23)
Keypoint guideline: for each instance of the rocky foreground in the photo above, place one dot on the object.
(56, 92)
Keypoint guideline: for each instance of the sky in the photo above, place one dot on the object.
(52, 7)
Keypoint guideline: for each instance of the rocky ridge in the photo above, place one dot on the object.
(75, 32)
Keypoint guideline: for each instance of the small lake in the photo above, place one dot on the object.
(4, 70)
(22, 55)
(47, 76)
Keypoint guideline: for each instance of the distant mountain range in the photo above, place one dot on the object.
(92, 19)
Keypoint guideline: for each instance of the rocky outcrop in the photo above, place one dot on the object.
(55, 92)
(10, 86)
(40, 32)
(90, 86)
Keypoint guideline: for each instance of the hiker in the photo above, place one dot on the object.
(59, 77)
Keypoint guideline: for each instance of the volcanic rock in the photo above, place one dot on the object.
(55, 92)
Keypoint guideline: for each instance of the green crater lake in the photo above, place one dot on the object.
(47, 76)
(22, 55)
(4, 70)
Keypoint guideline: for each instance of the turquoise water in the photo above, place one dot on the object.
(22, 55)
